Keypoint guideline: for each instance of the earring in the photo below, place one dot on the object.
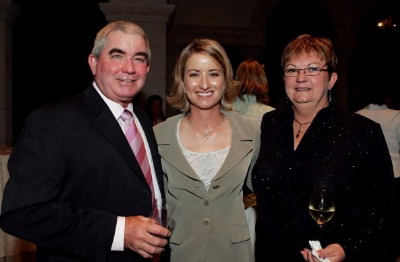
(329, 96)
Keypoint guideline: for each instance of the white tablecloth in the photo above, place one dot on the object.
(10, 245)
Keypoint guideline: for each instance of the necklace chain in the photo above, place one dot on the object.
(209, 132)
(300, 123)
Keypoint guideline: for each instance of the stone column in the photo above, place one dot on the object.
(8, 12)
(152, 16)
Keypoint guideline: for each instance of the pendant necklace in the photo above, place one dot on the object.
(208, 133)
(305, 123)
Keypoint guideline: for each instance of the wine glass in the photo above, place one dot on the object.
(164, 218)
(321, 205)
(168, 209)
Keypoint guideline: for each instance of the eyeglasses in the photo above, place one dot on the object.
(309, 71)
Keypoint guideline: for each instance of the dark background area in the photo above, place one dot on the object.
(52, 40)
(51, 43)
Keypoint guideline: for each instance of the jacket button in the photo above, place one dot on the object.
(216, 187)
(206, 203)
(206, 221)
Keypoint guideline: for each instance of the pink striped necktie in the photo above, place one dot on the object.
(135, 140)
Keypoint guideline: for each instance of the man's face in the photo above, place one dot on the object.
(121, 69)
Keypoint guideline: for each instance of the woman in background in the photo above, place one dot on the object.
(252, 100)
(154, 109)
(252, 96)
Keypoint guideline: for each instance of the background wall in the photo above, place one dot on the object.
(53, 63)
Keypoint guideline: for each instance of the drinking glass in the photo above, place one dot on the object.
(321, 205)
(167, 209)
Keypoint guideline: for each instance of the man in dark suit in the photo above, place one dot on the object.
(75, 188)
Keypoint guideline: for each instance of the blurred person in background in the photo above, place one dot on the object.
(252, 100)
(389, 119)
(154, 109)
(252, 95)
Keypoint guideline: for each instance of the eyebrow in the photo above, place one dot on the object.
(142, 54)
(116, 50)
(120, 51)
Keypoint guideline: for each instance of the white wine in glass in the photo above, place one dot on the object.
(321, 205)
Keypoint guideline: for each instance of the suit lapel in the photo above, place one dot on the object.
(104, 120)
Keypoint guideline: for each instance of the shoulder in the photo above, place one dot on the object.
(167, 125)
(354, 126)
(62, 109)
(238, 121)
(277, 115)
(237, 117)
(357, 119)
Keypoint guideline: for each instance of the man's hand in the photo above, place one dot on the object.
(145, 236)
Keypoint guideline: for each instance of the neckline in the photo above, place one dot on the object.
(300, 125)
(208, 133)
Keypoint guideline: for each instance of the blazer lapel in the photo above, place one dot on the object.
(241, 145)
(170, 151)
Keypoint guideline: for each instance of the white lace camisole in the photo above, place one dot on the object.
(206, 165)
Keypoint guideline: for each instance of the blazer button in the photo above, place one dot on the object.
(206, 221)
(216, 187)
(206, 203)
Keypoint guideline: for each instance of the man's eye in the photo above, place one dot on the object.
(140, 59)
(116, 56)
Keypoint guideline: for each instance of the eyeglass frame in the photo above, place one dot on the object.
(318, 69)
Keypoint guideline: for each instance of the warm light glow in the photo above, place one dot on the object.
(388, 22)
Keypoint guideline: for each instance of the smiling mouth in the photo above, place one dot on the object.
(204, 94)
(302, 89)
(127, 80)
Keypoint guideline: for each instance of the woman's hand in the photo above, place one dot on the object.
(333, 252)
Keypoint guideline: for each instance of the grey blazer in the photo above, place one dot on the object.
(209, 225)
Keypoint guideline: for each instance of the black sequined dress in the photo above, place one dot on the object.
(344, 150)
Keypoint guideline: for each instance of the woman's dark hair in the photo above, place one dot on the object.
(149, 103)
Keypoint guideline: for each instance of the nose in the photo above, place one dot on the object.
(204, 84)
(129, 66)
(301, 74)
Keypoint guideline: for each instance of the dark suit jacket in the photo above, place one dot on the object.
(72, 172)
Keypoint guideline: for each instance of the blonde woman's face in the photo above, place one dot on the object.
(204, 81)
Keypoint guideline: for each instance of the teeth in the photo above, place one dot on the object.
(204, 94)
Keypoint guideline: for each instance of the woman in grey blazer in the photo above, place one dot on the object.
(207, 153)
